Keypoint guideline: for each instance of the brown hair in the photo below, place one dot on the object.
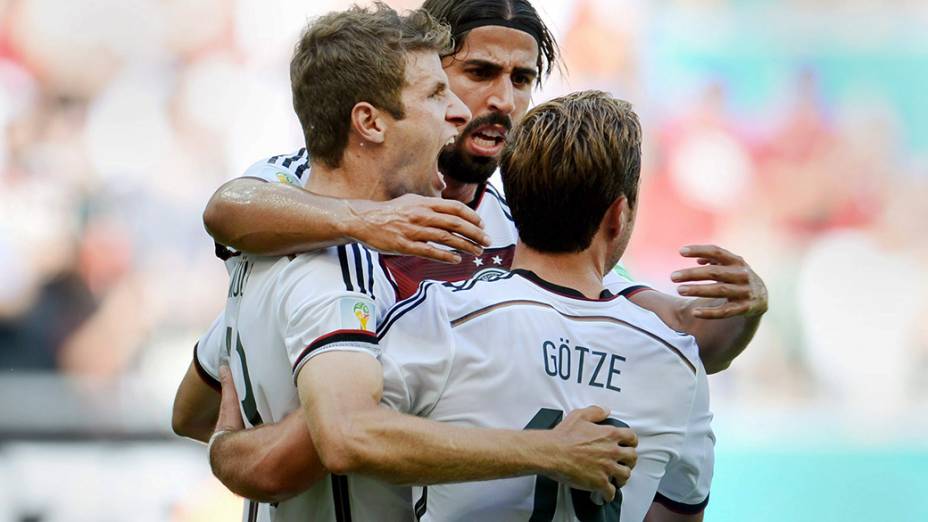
(353, 56)
(566, 163)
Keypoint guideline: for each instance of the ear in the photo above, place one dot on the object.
(368, 123)
(617, 218)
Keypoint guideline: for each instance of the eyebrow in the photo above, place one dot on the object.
(529, 71)
(440, 87)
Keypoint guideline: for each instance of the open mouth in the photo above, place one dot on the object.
(488, 140)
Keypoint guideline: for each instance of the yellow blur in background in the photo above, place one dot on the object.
(792, 132)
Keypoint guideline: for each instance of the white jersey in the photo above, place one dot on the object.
(404, 273)
(210, 352)
(517, 353)
(282, 312)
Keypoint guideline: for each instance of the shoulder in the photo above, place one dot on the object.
(348, 268)
(464, 299)
(682, 345)
(292, 169)
(494, 202)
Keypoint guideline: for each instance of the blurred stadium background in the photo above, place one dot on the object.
(794, 132)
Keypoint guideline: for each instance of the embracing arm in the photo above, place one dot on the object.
(268, 463)
(724, 315)
(720, 340)
(355, 434)
(255, 216)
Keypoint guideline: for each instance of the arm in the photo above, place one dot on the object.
(724, 315)
(659, 513)
(269, 463)
(263, 218)
(196, 406)
(354, 434)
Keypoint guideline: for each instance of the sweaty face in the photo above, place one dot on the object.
(433, 115)
(493, 74)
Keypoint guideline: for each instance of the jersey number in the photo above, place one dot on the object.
(546, 489)
(249, 407)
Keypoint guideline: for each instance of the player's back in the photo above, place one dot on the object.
(519, 353)
(270, 336)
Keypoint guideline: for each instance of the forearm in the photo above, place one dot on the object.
(720, 340)
(275, 218)
(403, 449)
(270, 463)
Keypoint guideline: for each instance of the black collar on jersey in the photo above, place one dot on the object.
(478, 196)
(558, 289)
(518, 25)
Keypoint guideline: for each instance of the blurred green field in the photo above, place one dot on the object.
(846, 484)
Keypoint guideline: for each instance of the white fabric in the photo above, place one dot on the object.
(494, 353)
(277, 308)
(209, 351)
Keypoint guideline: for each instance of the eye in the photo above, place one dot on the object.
(521, 80)
(480, 73)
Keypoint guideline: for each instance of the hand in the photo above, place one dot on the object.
(743, 291)
(230, 416)
(596, 458)
(407, 224)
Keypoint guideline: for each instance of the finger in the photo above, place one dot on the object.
(228, 384)
(620, 475)
(457, 225)
(591, 414)
(716, 290)
(628, 438)
(627, 457)
(429, 252)
(230, 418)
(711, 252)
(704, 261)
(443, 237)
(722, 312)
(712, 272)
(456, 208)
(608, 491)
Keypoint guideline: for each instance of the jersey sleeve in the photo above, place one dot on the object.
(289, 169)
(320, 313)
(418, 352)
(208, 352)
(618, 284)
(685, 485)
(292, 169)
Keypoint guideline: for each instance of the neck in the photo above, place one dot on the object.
(458, 190)
(582, 271)
(356, 177)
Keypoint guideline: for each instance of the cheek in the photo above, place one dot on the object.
(522, 100)
(470, 93)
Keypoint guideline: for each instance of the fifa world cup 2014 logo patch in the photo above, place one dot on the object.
(363, 313)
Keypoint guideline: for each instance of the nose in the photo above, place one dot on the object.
(502, 98)
(457, 114)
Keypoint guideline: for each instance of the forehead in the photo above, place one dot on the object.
(501, 45)
(423, 70)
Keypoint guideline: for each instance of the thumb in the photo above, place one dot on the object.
(230, 418)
